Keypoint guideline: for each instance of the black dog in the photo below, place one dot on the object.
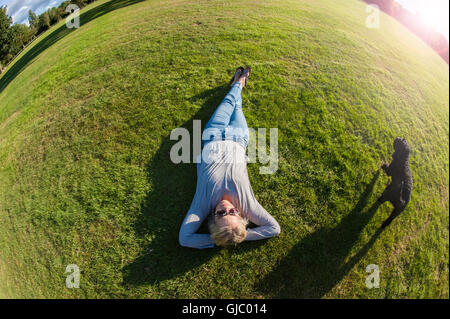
(398, 192)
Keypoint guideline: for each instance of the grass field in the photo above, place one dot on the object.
(86, 179)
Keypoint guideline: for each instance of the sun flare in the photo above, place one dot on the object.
(435, 14)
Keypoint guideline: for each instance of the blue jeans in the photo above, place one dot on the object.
(228, 121)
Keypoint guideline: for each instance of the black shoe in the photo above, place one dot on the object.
(236, 75)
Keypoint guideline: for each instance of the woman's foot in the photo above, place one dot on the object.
(236, 75)
(244, 76)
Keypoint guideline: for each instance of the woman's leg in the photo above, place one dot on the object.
(238, 128)
(215, 128)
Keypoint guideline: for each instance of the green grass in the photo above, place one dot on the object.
(85, 175)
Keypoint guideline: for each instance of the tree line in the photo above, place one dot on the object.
(15, 37)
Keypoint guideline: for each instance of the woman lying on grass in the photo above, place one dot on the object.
(223, 189)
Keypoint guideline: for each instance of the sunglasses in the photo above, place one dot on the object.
(222, 213)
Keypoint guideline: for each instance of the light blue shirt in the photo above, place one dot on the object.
(223, 168)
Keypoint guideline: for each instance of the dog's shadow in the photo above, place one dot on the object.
(173, 188)
(317, 263)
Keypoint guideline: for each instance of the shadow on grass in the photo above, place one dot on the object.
(316, 264)
(166, 206)
(58, 34)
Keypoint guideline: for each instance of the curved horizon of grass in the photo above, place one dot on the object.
(54, 34)
(86, 179)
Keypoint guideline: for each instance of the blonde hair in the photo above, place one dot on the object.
(226, 235)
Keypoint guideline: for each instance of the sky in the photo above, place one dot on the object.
(18, 9)
(433, 12)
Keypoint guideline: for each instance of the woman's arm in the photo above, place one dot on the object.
(267, 225)
(196, 214)
(188, 236)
